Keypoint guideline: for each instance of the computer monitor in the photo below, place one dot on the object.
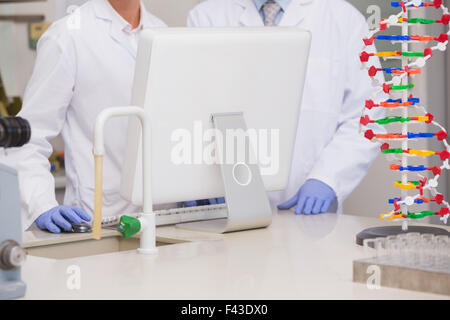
(196, 82)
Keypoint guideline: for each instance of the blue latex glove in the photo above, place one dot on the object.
(313, 197)
(204, 202)
(61, 218)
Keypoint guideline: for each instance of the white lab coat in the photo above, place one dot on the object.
(328, 146)
(85, 63)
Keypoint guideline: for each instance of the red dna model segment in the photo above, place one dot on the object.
(401, 103)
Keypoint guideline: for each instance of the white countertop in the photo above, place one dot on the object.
(297, 257)
(35, 237)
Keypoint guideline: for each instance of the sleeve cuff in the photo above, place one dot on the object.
(329, 181)
(34, 214)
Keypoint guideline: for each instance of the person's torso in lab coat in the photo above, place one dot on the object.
(105, 62)
(324, 87)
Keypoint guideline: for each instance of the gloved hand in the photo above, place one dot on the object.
(313, 197)
(60, 217)
(204, 202)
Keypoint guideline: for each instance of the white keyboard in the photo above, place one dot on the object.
(177, 215)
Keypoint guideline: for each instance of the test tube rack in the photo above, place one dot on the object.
(412, 261)
(376, 273)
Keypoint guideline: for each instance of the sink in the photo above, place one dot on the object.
(84, 246)
(43, 244)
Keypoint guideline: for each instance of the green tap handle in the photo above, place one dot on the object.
(129, 226)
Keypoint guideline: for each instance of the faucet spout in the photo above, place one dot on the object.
(148, 223)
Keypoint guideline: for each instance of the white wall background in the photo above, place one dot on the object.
(17, 60)
(173, 12)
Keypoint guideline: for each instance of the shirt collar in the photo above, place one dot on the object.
(114, 16)
(284, 4)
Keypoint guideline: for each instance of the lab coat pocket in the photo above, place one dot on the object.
(316, 130)
(322, 85)
(321, 106)
(113, 203)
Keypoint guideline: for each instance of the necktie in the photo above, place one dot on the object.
(271, 10)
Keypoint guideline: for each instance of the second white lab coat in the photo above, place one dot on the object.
(85, 63)
(328, 146)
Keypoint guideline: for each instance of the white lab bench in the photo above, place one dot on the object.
(297, 257)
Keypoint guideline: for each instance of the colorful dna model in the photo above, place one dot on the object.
(401, 104)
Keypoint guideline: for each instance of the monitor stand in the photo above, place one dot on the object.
(245, 194)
